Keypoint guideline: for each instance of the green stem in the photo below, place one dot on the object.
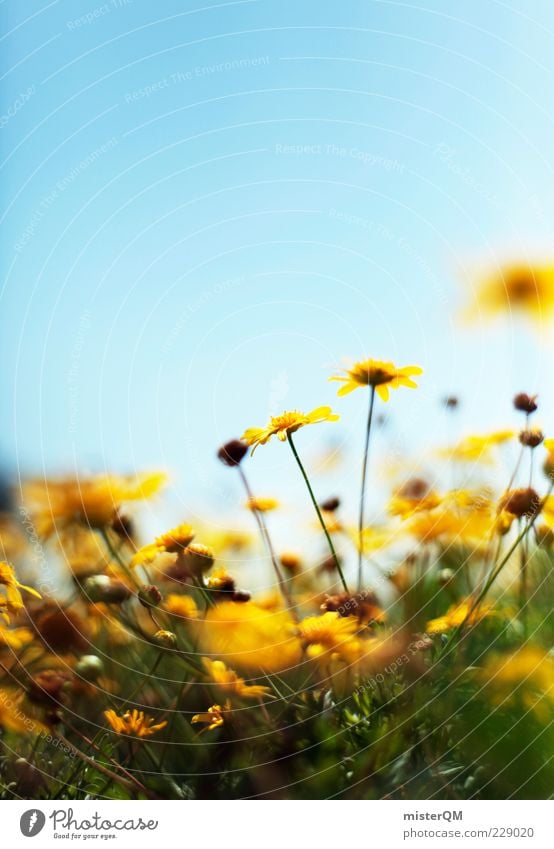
(318, 511)
(362, 490)
(266, 539)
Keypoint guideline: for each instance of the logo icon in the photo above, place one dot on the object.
(32, 822)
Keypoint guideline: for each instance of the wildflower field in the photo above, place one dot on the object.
(402, 654)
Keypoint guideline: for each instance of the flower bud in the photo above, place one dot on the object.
(522, 502)
(531, 438)
(330, 505)
(90, 667)
(165, 639)
(102, 588)
(525, 403)
(149, 596)
(233, 452)
(198, 559)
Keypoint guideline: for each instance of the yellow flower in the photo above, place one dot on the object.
(262, 505)
(516, 287)
(372, 539)
(176, 540)
(181, 605)
(526, 675)
(474, 448)
(15, 638)
(12, 602)
(330, 632)
(288, 422)
(12, 716)
(230, 683)
(378, 374)
(456, 615)
(249, 637)
(412, 497)
(93, 502)
(133, 722)
(146, 555)
(213, 717)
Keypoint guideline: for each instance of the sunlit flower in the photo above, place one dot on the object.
(93, 502)
(15, 638)
(327, 633)
(286, 423)
(146, 555)
(380, 375)
(230, 683)
(477, 448)
(372, 538)
(458, 614)
(525, 676)
(413, 496)
(12, 601)
(251, 638)
(176, 540)
(181, 605)
(13, 716)
(213, 718)
(133, 722)
(549, 462)
(261, 505)
(516, 287)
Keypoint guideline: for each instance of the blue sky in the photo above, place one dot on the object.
(206, 208)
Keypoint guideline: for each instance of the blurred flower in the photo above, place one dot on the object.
(415, 495)
(516, 287)
(262, 505)
(133, 722)
(12, 601)
(146, 555)
(456, 615)
(250, 637)
(181, 605)
(288, 422)
(474, 448)
(230, 683)
(93, 502)
(15, 638)
(525, 403)
(531, 437)
(521, 502)
(525, 676)
(327, 633)
(12, 716)
(549, 462)
(233, 452)
(212, 718)
(378, 374)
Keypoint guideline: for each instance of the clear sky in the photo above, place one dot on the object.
(207, 206)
